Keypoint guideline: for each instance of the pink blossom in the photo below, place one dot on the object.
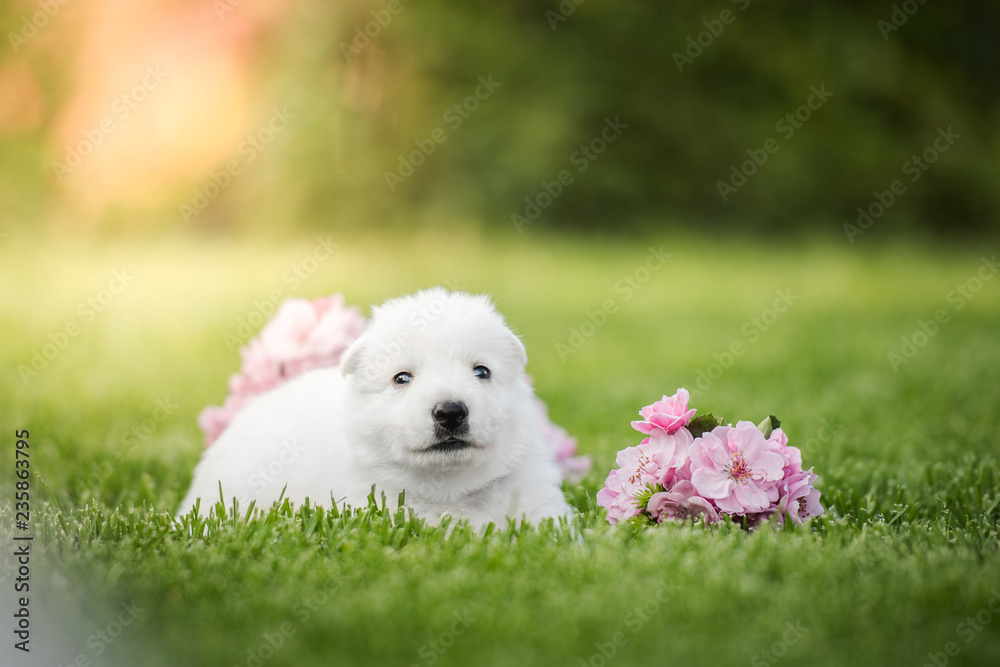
(304, 334)
(670, 475)
(670, 452)
(641, 465)
(301, 336)
(213, 420)
(669, 413)
(648, 464)
(732, 470)
(791, 456)
(619, 504)
(737, 470)
(799, 501)
(259, 372)
(681, 503)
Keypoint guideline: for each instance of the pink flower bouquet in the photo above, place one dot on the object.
(702, 469)
(304, 335)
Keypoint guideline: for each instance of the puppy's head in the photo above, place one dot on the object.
(436, 390)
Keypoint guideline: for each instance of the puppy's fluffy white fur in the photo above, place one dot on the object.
(331, 434)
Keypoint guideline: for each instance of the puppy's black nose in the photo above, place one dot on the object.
(450, 414)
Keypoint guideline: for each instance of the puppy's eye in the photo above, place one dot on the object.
(481, 372)
(403, 378)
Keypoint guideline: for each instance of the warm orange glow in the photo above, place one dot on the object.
(159, 96)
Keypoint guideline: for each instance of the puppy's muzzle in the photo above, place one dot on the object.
(451, 416)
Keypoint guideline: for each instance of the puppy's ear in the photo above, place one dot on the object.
(517, 350)
(350, 361)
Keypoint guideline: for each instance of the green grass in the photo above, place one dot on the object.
(908, 462)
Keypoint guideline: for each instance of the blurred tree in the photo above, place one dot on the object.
(733, 115)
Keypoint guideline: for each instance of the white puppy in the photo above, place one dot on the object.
(432, 399)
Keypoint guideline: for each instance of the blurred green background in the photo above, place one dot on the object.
(362, 85)
(207, 148)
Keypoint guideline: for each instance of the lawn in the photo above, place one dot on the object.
(881, 362)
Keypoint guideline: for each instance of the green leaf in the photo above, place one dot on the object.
(640, 521)
(704, 423)
(768, 425)
(642, 498)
